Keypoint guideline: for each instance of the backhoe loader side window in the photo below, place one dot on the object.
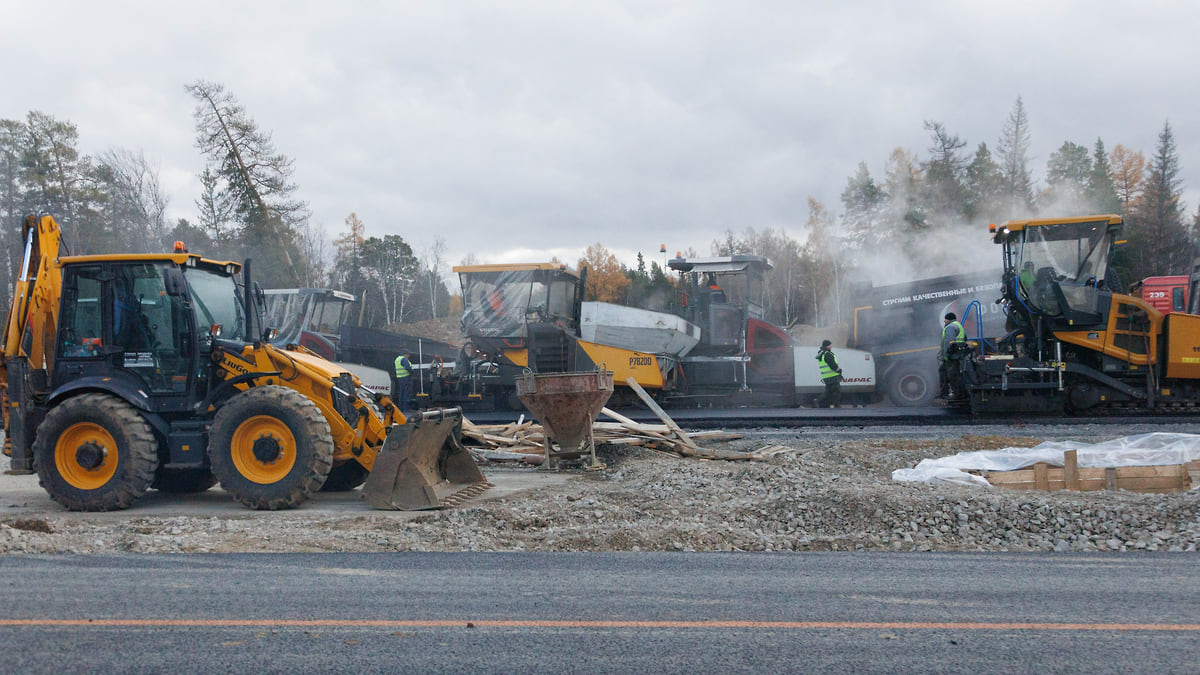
(150, 327)
(81, 335)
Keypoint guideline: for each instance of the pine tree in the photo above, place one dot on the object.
(256, 179)
(1067, 174)
(943, 194)
(864, 220)
(902, 183)
(982, 187)
(1013, 151)
(1159, 242)
(1100, 190)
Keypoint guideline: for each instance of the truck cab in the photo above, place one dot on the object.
(1166, 294)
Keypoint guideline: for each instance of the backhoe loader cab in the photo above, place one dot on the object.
(124, 371)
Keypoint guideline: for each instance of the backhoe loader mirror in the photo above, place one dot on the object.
(174, 283)
(260, 295)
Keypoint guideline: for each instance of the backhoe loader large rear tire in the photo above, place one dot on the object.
(94, 452)
(270, 448)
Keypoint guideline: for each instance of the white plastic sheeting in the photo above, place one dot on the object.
(1141, 450)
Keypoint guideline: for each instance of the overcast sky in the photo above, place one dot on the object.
(516, 130)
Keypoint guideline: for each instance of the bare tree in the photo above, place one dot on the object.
(315, 246)
(136, 200)
(434, 259)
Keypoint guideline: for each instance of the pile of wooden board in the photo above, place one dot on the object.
(1071, 476)
(524, 441)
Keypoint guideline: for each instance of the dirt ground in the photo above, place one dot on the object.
(829, 491)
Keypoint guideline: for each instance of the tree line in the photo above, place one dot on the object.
(920, 219)
(249, 207)
(926, 216)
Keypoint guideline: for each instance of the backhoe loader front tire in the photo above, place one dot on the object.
(270, 448)
(94, 452)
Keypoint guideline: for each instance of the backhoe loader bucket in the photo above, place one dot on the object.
(423, 465)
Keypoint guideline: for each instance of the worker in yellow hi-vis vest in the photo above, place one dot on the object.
(831, 375)
(402, 382)
(953, 336)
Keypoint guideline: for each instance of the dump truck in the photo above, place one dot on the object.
(125, 372)
(1166, 294)
(1076, 344)
(900, 325)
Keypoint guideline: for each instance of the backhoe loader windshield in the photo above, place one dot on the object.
(216, 303)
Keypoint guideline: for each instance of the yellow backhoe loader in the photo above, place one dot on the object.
(127, 372)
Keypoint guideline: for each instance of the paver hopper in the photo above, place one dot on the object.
(567, 404)
(423, 465)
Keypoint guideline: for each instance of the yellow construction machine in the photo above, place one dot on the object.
(124, 373)
(1076, 343)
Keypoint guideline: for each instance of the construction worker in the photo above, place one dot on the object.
(402, 381)
(831, 375)
(1027, 277)
(952, 332)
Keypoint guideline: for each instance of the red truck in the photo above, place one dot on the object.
(1166, 294)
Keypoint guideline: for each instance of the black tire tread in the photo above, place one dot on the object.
(313, 462)
(134, 473)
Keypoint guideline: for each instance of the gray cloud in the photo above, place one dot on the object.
(554, 125)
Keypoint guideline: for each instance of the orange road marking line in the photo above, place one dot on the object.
(485, 623)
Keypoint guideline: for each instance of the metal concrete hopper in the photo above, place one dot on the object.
(567, 404)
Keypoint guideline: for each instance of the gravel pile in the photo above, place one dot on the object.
(833, 491)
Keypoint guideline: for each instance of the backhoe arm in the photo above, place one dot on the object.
(33, 315)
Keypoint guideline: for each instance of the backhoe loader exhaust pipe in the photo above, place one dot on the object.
(423, 465)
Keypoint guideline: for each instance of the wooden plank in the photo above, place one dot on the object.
(1150, 471)
(1178, 481)
(618, 426)
(1110, 477)
(715, 435)
(1071, 469)
(492, 438)
(634, 426)
(649, 430)
(1041, 478)
(658, 411)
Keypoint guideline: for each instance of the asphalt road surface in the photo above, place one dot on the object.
(661, 613)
